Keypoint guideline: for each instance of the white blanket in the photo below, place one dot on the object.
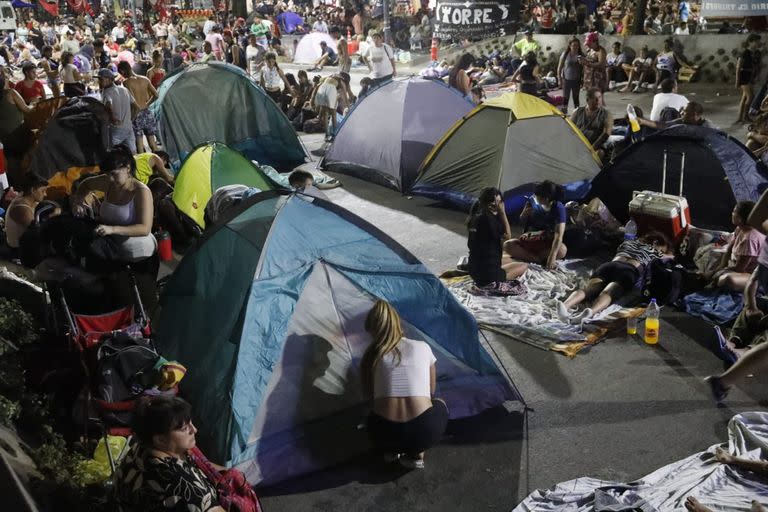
(717, 486)
(536, 309)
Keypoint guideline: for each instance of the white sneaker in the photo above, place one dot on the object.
(581, 317)
(645, 85)
(562, 313)
(611, 85)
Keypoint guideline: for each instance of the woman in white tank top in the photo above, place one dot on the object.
(126, 212)
(399, 374)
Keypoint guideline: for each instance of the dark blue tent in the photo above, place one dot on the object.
(719, 170)
(289, 22)
(18, 4)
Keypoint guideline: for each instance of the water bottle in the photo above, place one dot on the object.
(634, 124)
(651, 335)
(630, 230)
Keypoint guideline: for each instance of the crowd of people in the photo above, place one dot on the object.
(46, 61)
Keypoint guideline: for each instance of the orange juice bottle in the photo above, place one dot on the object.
(651, 335)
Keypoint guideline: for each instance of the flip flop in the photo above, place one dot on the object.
(728, 355)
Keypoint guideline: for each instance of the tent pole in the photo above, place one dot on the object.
(387, 30)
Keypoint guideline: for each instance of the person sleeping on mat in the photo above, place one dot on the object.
(618, 277)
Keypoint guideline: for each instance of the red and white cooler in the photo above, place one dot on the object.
(662, 212)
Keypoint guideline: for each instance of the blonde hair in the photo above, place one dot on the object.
(383, 324)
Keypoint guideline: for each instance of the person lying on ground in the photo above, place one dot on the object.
(616, 278)
(21, 212)
(300, 179)
(125, 213)
(163, 470)
(399, 375)
(543, 218)
(488, 230)
(740, 257)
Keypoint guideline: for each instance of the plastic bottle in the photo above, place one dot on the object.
(630, 230)
(631, 325)
(634, 124)
(651, 335)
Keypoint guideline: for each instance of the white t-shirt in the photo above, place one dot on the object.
(119, 99)
(409, 377)
(320, 26)
(379, 57)
(663, 100)
(208, 26)
(118, 33)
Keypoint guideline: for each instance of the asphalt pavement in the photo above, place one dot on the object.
(617, 411)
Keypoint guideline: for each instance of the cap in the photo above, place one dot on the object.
(527, 31)
(106, 73)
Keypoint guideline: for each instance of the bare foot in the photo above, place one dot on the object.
(693, 505)
(757, 507)
(722, 455)
(624, 89)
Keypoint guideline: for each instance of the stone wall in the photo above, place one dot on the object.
(715, 54)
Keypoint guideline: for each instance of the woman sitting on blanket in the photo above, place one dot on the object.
(616, 278)
(740, 257)
(544, 218)
(488, 227)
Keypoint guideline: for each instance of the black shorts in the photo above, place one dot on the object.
(618, 272)
(414, 436)
(664, 74)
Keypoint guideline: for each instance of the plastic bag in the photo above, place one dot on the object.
(97, 469)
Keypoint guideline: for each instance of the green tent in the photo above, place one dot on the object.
(208, 167)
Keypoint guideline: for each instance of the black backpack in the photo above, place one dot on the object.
(665, 282)
(125, 368)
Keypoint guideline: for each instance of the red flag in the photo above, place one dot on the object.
(51, 7)
(77, 5)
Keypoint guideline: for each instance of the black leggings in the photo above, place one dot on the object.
(571, 88)
(414, 436)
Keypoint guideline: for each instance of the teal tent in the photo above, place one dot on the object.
(267, 314)
(220, 102)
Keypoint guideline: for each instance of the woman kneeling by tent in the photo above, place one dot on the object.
(399, 373)
(164, 470)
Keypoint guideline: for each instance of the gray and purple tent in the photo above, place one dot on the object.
(385, 137)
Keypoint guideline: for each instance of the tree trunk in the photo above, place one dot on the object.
(640, 10)
(238, 8)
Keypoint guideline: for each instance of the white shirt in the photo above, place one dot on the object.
(161, 30)
(408, 377)
(118, 33)
(681, 32)
(379, 58)
(119, 100)
(71, 46)
(271, 78)
(208, 26)
(663, 100)
(320, 26)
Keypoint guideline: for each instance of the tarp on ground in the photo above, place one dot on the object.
(73, 143)
(385, 137)
(220, 102)
(719, 171)
(209, 167)
(268, 315)
(510, 142)
(308, 50)
(715, 485)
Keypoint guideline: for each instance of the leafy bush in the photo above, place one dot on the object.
(17, 327)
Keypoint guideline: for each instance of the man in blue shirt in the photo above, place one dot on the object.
(684, 10)
(327, 58)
